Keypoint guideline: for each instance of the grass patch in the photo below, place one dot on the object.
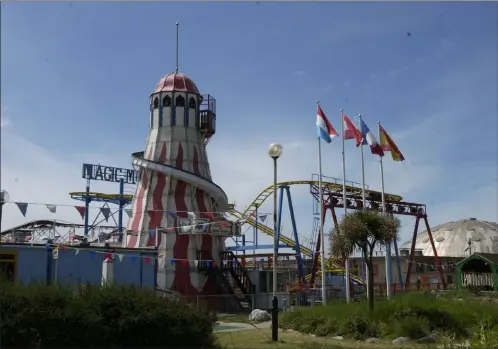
(412, 315)
(261, 339)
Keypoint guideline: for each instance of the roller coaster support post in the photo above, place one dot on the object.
(279, 217)
(412, 252)
(299, 257)
(255, 236)
(436, 257)
(88, 199)
(398, 265)
(122, 203)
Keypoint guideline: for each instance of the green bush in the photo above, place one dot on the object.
(413, 315)
(49, 316)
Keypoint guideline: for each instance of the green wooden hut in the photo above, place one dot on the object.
(479, 270)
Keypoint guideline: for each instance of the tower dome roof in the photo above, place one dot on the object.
(176, 82)
(453, 239)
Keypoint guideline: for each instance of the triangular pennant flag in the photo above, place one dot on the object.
(209, 215)
(51, 208)
(172, 214)
(151, 233)
(170, 230)
(120, 257)
(172, 262)
(23, 207)
(106, 211)
(81, 210)
(214, 264)
(147, 260)
(196, 262)
(191, 215)
(107, 256)
(208, 263)
(92, 254)
(235, 261)
(133, 259)
(263, 217)
(186, 228)
(76, 252)
(128, 212)
(204, 227)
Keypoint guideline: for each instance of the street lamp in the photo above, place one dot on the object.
(274, 152)
(4, 197)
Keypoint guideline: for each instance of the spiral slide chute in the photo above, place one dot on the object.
(330, 265)
(212, 189)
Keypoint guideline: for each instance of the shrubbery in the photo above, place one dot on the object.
(413, 315)
(39, 316)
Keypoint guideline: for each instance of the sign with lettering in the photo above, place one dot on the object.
(109, 174)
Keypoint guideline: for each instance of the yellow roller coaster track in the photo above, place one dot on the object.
(331, 264)
(101, 196)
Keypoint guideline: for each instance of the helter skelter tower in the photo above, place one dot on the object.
(175, 194)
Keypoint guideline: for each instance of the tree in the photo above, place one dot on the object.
(363, 230)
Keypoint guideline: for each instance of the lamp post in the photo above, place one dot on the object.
(274, 152)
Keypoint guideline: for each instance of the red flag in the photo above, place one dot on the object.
(81, 210)
(147, 260)
(350, 131)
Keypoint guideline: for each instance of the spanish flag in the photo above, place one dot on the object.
(388, 144)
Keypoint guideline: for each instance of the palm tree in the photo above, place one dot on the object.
(362, 230)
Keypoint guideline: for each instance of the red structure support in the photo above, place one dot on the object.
(412, 250)
(332, 198)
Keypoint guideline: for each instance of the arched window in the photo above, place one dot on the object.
(156, 103)
(180, 101)
(191, 103)
(167, 101)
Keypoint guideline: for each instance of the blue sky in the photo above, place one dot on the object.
(76, 79)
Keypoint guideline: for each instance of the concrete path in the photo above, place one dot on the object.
(239, 326)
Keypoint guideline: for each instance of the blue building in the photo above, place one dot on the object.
(71, 265)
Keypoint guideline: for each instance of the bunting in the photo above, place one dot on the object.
(51, 208)
(106, 211)
(23, 207)
(81, 210)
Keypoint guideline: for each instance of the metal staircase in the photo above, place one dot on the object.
(236, 276)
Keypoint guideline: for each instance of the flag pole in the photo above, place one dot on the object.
(322, 237)
(363, 192)
(344, 204)
(388, 245)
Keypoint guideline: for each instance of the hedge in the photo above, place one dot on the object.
(413, 315)
(40, 316)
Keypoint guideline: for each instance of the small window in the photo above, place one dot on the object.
(167, 101)
(156, 103)
(191, 103)
(180, 101)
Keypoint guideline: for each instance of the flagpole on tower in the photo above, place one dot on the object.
(177, 45)
(388, 245)
(322, 238)
(344, 204)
